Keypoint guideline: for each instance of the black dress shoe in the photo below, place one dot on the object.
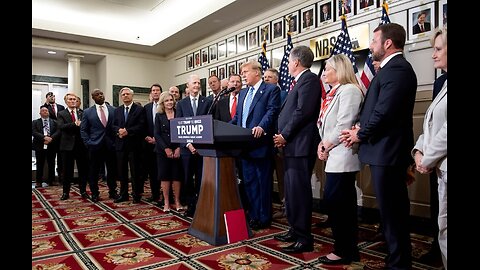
(85, 195)
(137, 199)
(95, 198)
(113, 195)
(120, 199)
(151, 199)
(326, 260)
(285, 237)
(298, 247)
(65, 196)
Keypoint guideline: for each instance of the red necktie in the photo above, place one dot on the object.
(53, 109)
(421, 28)
(73, 116)
(234, 107)
(292, 85)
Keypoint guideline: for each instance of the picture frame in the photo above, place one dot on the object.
(277, 29)
(252, 35)
(204, 56)
(241, 42)
(212, 52)
(277, 55)
(231, 68)
(189, 61)
(222, 72)
(442, 12)
(349, 8)
(292, 26)
(212, 71)
(240, 62)
(421, 13)
(365, 5)
(253, 57)
(265, 31)
(196, 58)
(222, 49)
(308, 18)
(325, 12)
(231, 46)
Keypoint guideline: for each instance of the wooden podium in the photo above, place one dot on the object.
(219, 143)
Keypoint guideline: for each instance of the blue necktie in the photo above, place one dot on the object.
(246, 106)
(126, 114)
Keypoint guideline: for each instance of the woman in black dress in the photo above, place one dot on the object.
(168, 153)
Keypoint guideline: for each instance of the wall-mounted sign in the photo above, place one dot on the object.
(322, 46)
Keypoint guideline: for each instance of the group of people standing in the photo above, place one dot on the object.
(346, 129)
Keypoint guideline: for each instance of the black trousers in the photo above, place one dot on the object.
(341, 200)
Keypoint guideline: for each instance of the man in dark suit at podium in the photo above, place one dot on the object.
(298, 136)
(193, 105)
(258, 110)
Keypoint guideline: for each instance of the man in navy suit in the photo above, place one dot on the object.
(257, 109)
(97, 134)
(192, 105)
(129, 127)
(72, 147)
(149, 156)
(385, 135)
(298, 137)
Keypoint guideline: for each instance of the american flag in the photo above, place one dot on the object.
(342, 45)
(262, 58)
(368, 70)
(285, 78)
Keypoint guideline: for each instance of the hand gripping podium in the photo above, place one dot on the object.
(218, 142)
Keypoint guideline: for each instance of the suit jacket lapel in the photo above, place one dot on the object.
(257, 96)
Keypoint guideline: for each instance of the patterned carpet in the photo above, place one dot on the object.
(78, 234)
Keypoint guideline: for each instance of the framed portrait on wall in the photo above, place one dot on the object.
(231, 68)
(212, 51)
(421, 20)
(253, 57)
(204, 56)
(241, 42)
(308, 18)
(222, 49)
(365, 5)
(196, 58)
(212, 71)
(442, 13)
(292, 25)
(277, 55)
(189, 61)
(325, 11)
(345, 6)
(221, 72)
(252, 35)
(240, 62)
(231, 46)
(265, 32)
(277, 26)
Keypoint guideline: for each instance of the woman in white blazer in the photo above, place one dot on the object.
(430, 151)
(340, 111)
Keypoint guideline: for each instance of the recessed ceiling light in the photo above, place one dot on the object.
(52, 52)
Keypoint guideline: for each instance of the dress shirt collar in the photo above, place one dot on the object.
(385, 61)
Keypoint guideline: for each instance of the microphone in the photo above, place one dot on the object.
(228, 91)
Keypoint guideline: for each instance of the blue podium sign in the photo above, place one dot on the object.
(194, 129)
